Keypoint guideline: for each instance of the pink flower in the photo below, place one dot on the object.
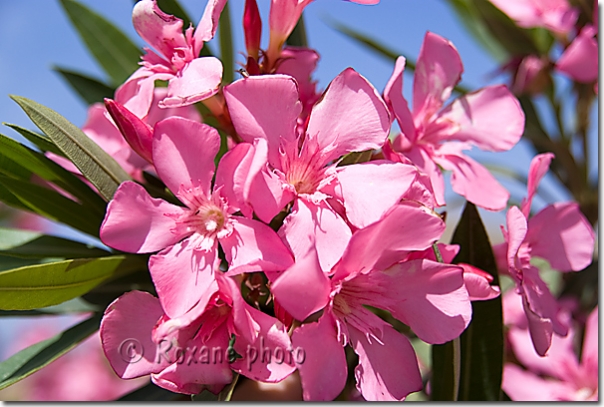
(559, 234)
(192, 352)
(188, 237)
(433, 136)
(580, 60)
(566, 379)
(427, 296)
(290, 165)
(555, 15)
(190, 79)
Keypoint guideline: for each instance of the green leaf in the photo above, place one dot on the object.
(48, 284)
(35, 357)
(40, 140)
(112, 49)
(14, 155)
(29, 244)
(482, 342)
(226, 45)
(152, 392)
(89, 89)
(94, 163)
(298, 36)
(174, 8)
(73, 306)
(50, 204)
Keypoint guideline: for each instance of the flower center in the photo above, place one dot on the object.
(210, 219)
(303, 176)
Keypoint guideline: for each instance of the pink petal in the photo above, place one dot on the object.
(137, 223)
(208, 24)
(433, 300)
(181, 275)
(393, 96)
(561, 235)
(126, 334)
(370, 189)
(183, 153)
(350, 116)
(538, 169)
(517, 229)
(268, 195)
(302, 289)
(283, 16)
(580, 59)
(310, 224)
(490, 118)
(323, 370)
(560, 362)
(274, 359)
(522, 385)
(136, 94)
(537, 301)
(379, 377)
(474, 182)
(589, 355)
(254, 246)
(404, 228)
(160, 30)
(201, 372)
(437, 71)
(419, 156)
(266, 107)
(555, 15)
(157, 114)
(196, 81)
(477, 283)
(301, 63)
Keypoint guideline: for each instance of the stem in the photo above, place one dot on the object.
(227, 393)
(226, 45)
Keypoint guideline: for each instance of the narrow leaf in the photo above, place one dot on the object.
(174, 8)
(35, 357)
(73, 306)
(112, 49)
(89, 89)
(14, 154)
(29, 244)
(94, 163)
(298, 36)
(49, 204)
(226, 45)
(482, 342)
(40, 140)
(48, 284)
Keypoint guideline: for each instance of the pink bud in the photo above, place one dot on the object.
(252, 27)
(136, 132)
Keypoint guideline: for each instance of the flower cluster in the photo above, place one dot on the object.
(283, 227)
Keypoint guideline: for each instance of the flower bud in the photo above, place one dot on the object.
(252, 27)
(135, 131)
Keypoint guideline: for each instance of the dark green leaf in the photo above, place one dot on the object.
(10, 262)
(94, 163)
(40, 140)
(47, 284)
(482, 342)
(112, 49)
(35, 357)
(49, 204)
(298, 36)
(20, 162)
(151, 392)
(174, 8)
(73, 306)
(226, 45)
(89, 89)
(29, 244)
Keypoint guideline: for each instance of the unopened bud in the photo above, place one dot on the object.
(135, 131)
